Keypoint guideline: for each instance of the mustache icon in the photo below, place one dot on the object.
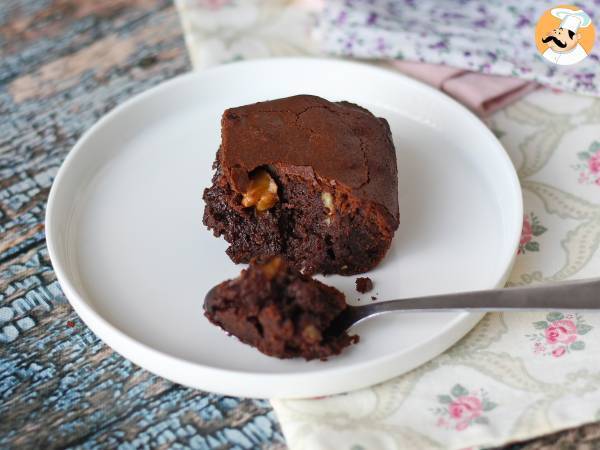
(555, 40)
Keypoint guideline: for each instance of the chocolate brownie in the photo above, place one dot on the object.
(280, 311)
(308, 179)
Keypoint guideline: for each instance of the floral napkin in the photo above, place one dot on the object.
(493, 37)
(515, 376)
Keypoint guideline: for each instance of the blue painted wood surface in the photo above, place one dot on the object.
(63, 64)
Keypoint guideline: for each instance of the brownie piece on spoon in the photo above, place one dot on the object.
(280, 311)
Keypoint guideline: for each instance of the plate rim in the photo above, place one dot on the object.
(138, 351)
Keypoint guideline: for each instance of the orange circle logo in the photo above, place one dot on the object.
(565, 35)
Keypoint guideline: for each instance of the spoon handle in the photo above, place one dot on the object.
(567, 295)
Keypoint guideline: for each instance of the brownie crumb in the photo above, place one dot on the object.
(364, 284)
(373, 298)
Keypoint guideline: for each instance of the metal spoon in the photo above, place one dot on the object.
(567, 295)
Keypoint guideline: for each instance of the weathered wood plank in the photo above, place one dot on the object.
(64, 64)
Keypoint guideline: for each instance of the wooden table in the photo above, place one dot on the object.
(63, 64)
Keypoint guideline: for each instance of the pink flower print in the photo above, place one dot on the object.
(527, 232)
(462, 425)
(594, 163)
(559, 334)
(562, 331)
(462, 408)
(467, 407)
(531, 228)
(589, 164)
(538, 347)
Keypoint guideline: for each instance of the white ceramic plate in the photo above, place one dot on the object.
(125, 233)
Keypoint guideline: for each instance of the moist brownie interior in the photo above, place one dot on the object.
(280, 311)
(308, 179)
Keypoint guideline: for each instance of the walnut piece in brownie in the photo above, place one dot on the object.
(308, 179)
(280, 311)
(364, 284)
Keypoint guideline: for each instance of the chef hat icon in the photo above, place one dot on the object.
(572, 20)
